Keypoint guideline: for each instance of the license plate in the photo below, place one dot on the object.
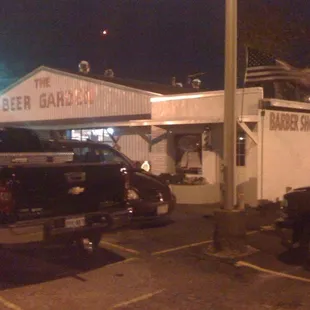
(162, 209)
(75, 222)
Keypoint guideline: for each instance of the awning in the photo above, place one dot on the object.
(135, 123)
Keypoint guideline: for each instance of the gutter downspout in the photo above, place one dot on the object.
(262, 120)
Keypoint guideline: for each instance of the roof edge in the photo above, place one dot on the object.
(212, 93)
(21, 80)
(94, 80)
(57, 71)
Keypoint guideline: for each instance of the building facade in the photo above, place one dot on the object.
(177, 130)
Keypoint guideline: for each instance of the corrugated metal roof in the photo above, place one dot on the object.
(146, 86)
(141, 85)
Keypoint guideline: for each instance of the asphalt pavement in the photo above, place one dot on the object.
(157, 268)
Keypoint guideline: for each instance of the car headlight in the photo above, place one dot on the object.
(132, 194)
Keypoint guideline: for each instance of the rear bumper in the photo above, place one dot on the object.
(52, 229)
(144, 211)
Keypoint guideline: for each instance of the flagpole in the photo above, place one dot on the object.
(244, 80)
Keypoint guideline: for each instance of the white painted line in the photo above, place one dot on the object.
(128, 260)
(137, 299)
(252, 232)
(116, 246)
(267, 228)
(8, 304)
(181, 247)
(272, 272)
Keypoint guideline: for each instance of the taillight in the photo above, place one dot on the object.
(6, 199)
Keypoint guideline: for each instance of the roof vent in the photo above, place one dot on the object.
(196, 83)
(109, 73)
(175, 83)
(84, 67)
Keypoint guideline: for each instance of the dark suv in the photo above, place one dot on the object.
(149, 197)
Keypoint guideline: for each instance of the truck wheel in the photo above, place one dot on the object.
(95, 239)
(89, 245)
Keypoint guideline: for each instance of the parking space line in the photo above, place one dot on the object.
(181, 247)
(128, 260)
(252, 232)
(116, 246)
(9, 304)
(137, 299)
(272, 272)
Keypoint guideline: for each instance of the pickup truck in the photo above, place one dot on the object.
(151, 199)
(68, 203)
(294, 224)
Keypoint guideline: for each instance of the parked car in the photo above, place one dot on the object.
(150, 198)
(70, 203)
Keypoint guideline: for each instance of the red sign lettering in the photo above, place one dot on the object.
(284, 121)
(18, 103)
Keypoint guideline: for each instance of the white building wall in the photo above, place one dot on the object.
(208, 106)
(134, 147)
(212, 161)
(283, 153)
(159, 152)
(246, 176)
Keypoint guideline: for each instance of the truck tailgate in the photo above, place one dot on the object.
(50, 190)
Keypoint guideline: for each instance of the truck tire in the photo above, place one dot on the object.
(88, 246)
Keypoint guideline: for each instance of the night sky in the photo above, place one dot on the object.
(148, 39)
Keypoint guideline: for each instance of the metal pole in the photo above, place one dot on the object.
(229, 103)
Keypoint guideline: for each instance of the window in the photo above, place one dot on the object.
(107, 136)
(241, 150)
(101, 135)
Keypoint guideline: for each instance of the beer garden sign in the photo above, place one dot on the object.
(47, 99)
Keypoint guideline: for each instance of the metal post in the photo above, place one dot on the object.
(229, 236)
(229, 103)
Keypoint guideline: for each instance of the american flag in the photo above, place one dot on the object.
(262, 67)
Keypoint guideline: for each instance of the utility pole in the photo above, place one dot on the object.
(230, 233)
(229, 103)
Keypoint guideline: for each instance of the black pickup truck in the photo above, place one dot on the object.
(151, 199)
(294, 224)
(70, 203)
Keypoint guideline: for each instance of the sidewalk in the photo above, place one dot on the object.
(256, 217)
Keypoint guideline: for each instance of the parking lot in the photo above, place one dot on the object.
(155, 267)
